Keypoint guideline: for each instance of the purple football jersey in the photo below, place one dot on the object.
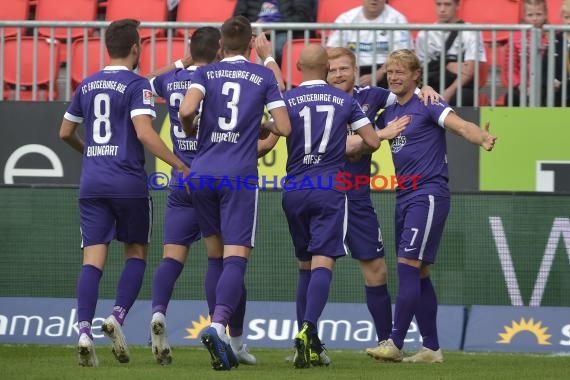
(113, 157)
(420, 151)
(320, 115)
(235, 93)
(372, 100)
(172, 87)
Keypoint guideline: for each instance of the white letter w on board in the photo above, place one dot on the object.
(560, 229)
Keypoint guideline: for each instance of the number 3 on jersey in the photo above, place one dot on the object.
(305, 113)
(232, 105)
(102, 111)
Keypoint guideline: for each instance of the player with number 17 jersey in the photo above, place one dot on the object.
(113, 157)
(319, 153)
(230, 120)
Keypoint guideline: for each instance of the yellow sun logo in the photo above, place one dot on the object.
(535, 328)
(197, 327)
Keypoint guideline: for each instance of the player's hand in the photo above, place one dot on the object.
(262, 47)
(427, 93)
(187, 60)
(488, 139)
(394, 128)
(365, 80)
(185, 170)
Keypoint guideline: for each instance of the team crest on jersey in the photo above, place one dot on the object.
(365, 107)
(398, 143)
(148, 98)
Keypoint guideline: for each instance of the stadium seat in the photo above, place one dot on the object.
(491, 12)
(65, 10)
(329, 10)
(417, 11)
(178, 49)
(554, 11)
(42, 49)
(196, 11)
(147, 10)
(86, 58)
(14, 10)
(297, 46)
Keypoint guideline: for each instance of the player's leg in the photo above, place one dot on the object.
(235, 327)
(327, 226)
(180, 231)
(364, 239)
(97, 230)
(134, 224)
(426, 311)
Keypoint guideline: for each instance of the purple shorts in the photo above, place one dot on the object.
(128, 220)
(419, 226)
(317, 222)
(363, 236)
(226, 208)
(180, 220)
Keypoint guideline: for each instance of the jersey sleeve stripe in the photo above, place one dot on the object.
(275, 104)
(199, 87)
(443, 115)
(75, 119)
(360, 123)
(143, 111)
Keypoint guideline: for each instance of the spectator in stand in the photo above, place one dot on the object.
(534, 13)
(361, 42)
(559, 66)
(277, 11)
(429, 45)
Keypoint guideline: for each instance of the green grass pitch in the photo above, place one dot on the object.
(60, 362)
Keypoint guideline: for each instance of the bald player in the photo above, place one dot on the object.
(316, 215)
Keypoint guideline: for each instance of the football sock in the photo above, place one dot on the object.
(128, 288)
(317, 294)
(301, 299)
(163, 282)
(87, 294)
(213, 273)
(229, 288)
(235, 323)
(426, 315)
(380, 307)
(406, 302)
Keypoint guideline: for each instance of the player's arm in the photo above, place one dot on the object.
(281, 125)
(190, 104)
(265, 145)
(68, 133)
(150, 139)
(469, 131)
(182, 63)
(264, 52)
(369, 136)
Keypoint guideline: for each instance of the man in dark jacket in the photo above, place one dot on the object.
(277, 11)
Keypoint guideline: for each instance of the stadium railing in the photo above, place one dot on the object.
(530, 87)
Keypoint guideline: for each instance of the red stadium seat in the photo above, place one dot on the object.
(417, 11)
(40, 52)
(197, 11)
(86, 58)
(329, 10)
(491, 12)
(65, 10)
(160, 53)
(297, 46)
(14, 10)
(147, 10)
